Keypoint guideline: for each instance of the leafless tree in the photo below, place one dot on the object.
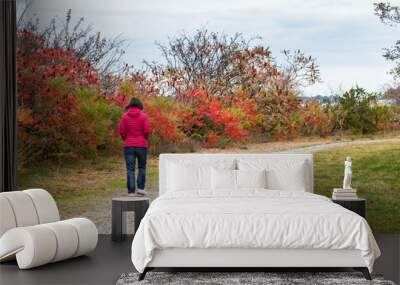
(393, 93)
(300, 69)
(390, 15)
(221, 63)
(103, 53)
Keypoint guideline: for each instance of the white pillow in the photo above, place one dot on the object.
(282, 174)
(290, 176)
(186, 174)
(183, 177)
(223, 179)
(251, 178)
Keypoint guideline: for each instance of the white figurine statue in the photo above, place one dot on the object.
(347, 174)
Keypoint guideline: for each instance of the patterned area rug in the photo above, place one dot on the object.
(243, 278)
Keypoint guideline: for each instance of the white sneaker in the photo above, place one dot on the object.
(142, 192)
(131, 194)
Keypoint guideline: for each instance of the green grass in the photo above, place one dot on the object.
(82, 185)
(85, 184)
(376, 176)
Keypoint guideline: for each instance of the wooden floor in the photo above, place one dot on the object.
(110, 260)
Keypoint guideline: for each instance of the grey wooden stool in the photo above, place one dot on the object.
(120, 205)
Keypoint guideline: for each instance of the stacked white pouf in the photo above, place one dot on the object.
(31, 231)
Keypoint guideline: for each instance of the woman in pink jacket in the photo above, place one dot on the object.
(134, 130)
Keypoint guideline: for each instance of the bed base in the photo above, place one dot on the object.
(242, 259)
(363, 270)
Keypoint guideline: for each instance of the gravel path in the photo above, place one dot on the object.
(315, 148)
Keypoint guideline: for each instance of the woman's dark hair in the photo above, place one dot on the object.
(135, 102)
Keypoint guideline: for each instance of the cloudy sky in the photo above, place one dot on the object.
(345, 36)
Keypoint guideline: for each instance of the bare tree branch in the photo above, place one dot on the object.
(222, 64)
(101, 52)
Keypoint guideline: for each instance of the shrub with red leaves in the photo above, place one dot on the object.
(50, 123)
(209, 119)
(163, 112)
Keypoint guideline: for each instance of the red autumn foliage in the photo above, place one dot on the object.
(49, 119)
(192, 115)
(210, 119)
(316, 121)
(164, 119)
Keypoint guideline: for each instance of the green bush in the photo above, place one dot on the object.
(384, 116)
(357, 111)
(102, 117)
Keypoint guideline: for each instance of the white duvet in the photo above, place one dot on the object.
(250, 219)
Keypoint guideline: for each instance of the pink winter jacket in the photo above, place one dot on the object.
(134, 128)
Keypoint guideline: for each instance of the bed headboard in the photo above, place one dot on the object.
(200, 157)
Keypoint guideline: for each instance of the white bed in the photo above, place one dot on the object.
(194, 224)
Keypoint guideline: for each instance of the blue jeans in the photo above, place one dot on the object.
(131, 154)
